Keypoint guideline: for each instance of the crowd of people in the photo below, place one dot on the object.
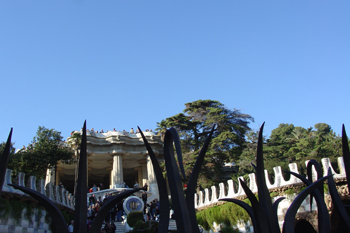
(114, 130)
(116, 214)
(95, 188)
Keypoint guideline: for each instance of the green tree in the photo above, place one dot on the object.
(289, 144)
(74, 142)
(45, 150)
(12, 156)
(194, 125)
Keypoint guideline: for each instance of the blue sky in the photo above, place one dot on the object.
(123, 63)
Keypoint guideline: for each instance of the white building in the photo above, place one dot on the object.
(113, 158)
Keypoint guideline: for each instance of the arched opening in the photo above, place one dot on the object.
(303, 226)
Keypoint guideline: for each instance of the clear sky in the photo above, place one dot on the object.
(123, 63)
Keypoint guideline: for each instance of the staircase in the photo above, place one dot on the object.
(120, 227)
(172, 225)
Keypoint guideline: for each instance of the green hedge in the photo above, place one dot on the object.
(228, 213)
(134, 217)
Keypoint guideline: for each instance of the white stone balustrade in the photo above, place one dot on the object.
(65, 199)
(279, 181)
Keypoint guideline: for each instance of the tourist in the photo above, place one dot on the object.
(96, 208)
(71, 226)
(94, 188)
(153, 209)
(105, 197)
(92, 199)
(108, 228)
(114, 130)
(119, 211)
(89, 222)
(144, 199)
(136, 185)
(91, 212)
(101, 186)
(113, 226)
(145, 187)
(102, 131)
(132, 130)
(99, 201)
(113, 213)
(156, 213)
(148, 212)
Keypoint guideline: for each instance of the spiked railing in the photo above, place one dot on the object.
(264, 213)
(80, 214)
(184, 209)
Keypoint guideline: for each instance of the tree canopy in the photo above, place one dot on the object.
(291, 144)
(45, 150)
(194, 125)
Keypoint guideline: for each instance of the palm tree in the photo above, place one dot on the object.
(74, 141)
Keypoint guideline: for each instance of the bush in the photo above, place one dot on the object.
(228, 229)
(228, 213)
(134, 217)
(146, 227)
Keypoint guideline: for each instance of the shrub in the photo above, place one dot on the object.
(228, 229)
(146, 227)
(228, 213)
(134, 217)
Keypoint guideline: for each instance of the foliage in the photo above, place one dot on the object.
(46, 149)
(29, 210)
(290, 144)
(5, 207)
(228, 229)
(67, 217)
(291, 192)
(75, 140)
(134, 217)
(16, 209)
(147, 227)
(274, 194)
(194, 126)
(12, 152)
(39, 213)
(228, 213)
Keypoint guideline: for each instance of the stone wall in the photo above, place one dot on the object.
(56, 194)
(36, 224)
(206, 199)
(37, 221)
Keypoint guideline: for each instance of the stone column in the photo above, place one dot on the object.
(152, 181)
(58, 179)
(144, 173)
(117, 172)
(50, 176)
(139, 175)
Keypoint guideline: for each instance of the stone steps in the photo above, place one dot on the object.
(172, 225)
(120, 227)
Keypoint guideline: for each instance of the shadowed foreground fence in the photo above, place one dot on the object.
(262, 211)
